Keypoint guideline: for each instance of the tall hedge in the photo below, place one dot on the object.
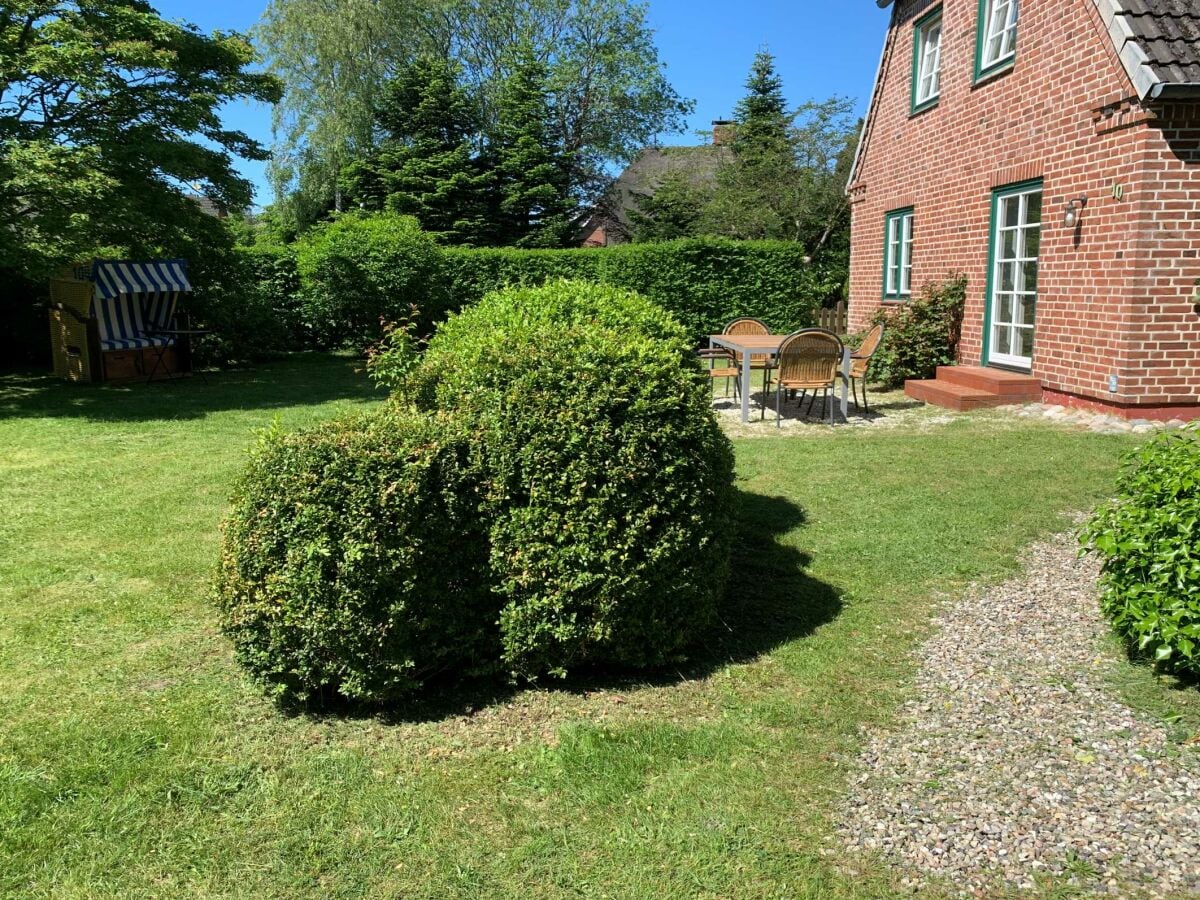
(703, 282)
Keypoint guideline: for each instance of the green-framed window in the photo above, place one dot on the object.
(927, 61)
(995, 36)
(897, 254)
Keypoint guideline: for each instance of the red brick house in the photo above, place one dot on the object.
(1051, 153)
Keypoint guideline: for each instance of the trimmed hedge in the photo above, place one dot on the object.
(607, 480)
(1148, 538)
(703, 282)
(352, 562)
(361, 271)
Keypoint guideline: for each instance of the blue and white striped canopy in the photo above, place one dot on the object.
(114, 279)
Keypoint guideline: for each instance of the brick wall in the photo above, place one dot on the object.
(1114, 295)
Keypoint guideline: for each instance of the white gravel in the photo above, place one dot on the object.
(1014, 761)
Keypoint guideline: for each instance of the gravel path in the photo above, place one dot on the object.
(1013, 761)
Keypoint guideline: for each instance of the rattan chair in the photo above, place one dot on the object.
(808, 360)
(721, 365)
(760, 361)
(860, 362)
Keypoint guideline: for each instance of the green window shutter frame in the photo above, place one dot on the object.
(898, 216)
(920, 27)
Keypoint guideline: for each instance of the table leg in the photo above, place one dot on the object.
(745, 387)
(845, 373)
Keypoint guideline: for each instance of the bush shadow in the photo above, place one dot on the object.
(303, 379)
(770, 600)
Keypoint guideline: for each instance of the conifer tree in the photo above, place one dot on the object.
(428, 165)
(532, 174)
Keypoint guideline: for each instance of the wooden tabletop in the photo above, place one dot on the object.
(752, 342)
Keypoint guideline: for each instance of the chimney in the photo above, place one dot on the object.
(722, 132)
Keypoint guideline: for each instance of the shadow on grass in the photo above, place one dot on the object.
(300, 380)
(770, 601)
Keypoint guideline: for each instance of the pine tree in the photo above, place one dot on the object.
(532, 175)
(427, 165)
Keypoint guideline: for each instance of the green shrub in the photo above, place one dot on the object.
(353, 563)
(360, 271)
(922, 334)
(606, 480)
(1148, 538)
(249, 298)
(703, 282)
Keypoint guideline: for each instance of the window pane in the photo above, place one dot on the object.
(1008, 276)
(1033, 241)
(1010, 210)
(1029, 277)
(1028, 309)
(1006, 308)
(1033, 212)
(1003, 339)
(1026, 342)
(1008, 245)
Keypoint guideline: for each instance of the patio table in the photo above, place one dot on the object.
(768, 345)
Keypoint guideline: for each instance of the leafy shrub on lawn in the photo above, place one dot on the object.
(922, 334)
(1148, 538)
(606, 480)
(359, 271)
(353, 561)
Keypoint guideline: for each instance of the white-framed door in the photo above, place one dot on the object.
(1013, 281)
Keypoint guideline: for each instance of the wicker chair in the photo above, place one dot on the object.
(860, 362)
(808, 360)
(721, 365)
(760, 361)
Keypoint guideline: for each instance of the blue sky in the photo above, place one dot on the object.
(822, 49)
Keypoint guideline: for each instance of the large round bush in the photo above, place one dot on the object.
(605, 477)
(1148, 538)
(361, 270)
(353, 562)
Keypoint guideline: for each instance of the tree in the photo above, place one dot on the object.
(533, 178)
(674, 210)
(786, 176)
(107, 114)
(605, 86)
(427, 165)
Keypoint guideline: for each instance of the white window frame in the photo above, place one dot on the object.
(897, 254)
(928, 68)
(999, 29)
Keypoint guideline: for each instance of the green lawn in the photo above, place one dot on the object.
(136, 760)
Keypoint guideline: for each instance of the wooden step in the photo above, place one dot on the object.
(1013, 386)
(950, 395)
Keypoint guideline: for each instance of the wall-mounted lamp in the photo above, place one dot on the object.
(1072, 210)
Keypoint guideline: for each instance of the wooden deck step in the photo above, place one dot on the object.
(949, 395)
(1017, 388)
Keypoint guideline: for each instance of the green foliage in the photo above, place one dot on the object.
(785, 178)
(604, 83)
(607, 482)
(533, 176)
(922, 333)
(391, 362)
(360, 271)
(674, 210)
(1148, 538)
(105, 109)
(427, 166)
(352, 563)
(703, 282)
(249, 297)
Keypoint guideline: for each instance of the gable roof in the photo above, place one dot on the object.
(1159, 44)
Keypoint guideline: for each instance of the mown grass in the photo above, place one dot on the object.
(136, 760)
